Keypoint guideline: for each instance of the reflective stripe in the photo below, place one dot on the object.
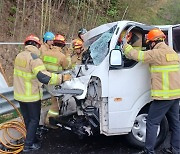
(165, 80)
(25, 98)
(51, 67)
(169, 68)
(41, 93)
(54, 79)
(53, 112)
(73, 66)
(28, 96)
(165, 93)
(69, 62)
(38, 68)
(141, 56)
(60, 69)
(50, 59)
(28, 87)
(68, 58)
(26, 75)
(127, 49)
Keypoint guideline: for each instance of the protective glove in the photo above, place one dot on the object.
(66, 77)
(126, 38)
(127, 48)
(124, 41)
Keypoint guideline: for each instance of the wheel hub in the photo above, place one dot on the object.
(139, 128)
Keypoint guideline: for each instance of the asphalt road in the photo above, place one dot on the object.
(63, 142)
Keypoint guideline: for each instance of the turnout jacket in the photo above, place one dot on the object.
(29, 74)
(164, 67)
(45, 47)
(54, 60)
(77, 59)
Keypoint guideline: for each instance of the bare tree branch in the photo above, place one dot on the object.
(49, 23)
(42, 17)
(124, 13)
(87, 16)
(45, 16)
(75, 19)
(60, 4)
(23, 16)
(35, 7)
(16, 18)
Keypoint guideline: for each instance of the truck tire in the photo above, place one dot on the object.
(136, 137)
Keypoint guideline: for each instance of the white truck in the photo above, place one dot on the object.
(112, 93)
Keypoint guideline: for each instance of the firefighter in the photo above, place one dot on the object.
(128, 37)
(29, 74)
(165, 88)
(47, 41)
(55, 61)
(60, 44)
(133, 38)
(81, 32)
(77, 46)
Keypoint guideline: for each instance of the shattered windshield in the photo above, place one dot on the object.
(99, 46)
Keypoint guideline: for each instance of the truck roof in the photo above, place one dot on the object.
(105, 27)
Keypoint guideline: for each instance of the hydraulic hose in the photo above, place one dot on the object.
(9, 143)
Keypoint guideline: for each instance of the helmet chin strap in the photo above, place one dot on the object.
(152, 45)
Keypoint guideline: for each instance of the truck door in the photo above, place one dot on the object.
(174, 37)
(129, 90)
(174, 41)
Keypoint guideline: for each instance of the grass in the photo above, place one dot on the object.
(159, 12)
(13, 114)
(8, 116)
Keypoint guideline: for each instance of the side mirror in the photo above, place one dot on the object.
(115, 59)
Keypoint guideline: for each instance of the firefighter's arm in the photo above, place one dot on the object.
(67, 59)
(46, 77)
(67, 52)
(138, 55)
(66, 62)
(52, 78)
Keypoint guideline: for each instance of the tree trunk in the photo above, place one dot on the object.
(42, 17)
(22, 21)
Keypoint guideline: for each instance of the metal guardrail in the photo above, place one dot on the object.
(11, 43)
(19, 43)
(5, 107)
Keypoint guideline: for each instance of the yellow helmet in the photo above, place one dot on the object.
(77, 44)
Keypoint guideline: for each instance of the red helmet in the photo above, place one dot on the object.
(77, 44)
(59, 39)
(154, 35)
(32, 38)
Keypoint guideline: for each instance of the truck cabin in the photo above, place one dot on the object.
(137, 38)
(98, 45)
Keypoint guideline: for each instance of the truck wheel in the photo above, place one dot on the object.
(137, 136)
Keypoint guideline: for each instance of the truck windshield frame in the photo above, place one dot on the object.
(98, 47)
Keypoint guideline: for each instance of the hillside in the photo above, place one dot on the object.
(18, 18)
